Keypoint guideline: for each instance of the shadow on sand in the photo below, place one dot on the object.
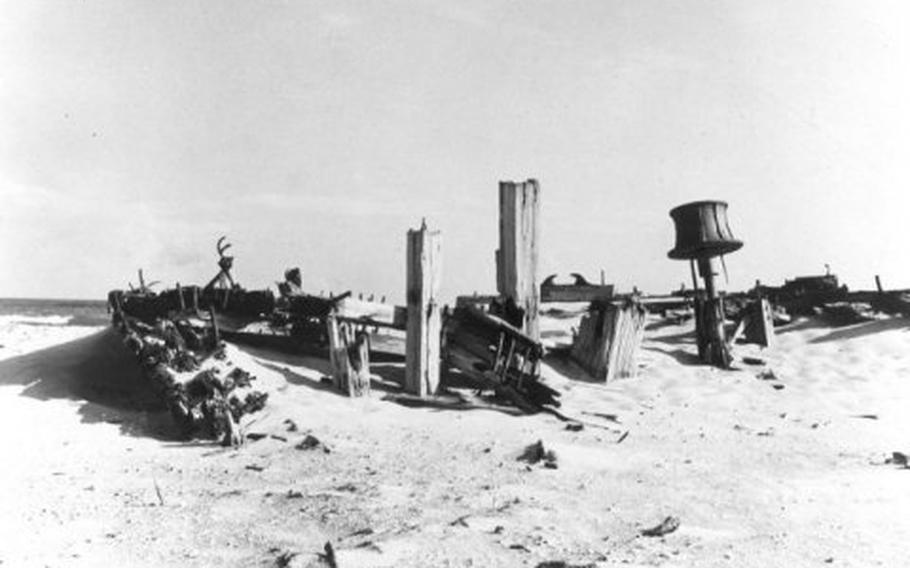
(99, 372)
(681, 355)
(390, 375)
(863, 329)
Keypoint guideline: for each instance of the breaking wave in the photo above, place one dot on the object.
(50, 320)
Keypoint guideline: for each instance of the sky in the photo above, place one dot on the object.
(133, 134)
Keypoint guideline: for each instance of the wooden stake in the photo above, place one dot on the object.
(422, 354)
(215, 333)
(516, 259)
(349, 355)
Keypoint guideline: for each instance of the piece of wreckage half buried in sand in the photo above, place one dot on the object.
(175, 336)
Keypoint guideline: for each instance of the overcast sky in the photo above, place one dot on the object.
(134, 134)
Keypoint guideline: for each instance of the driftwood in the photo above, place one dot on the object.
(608, 340)
(496, 355)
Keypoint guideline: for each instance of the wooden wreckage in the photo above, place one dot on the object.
(178, 334)
(494, 341)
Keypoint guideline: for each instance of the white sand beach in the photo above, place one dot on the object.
(788, 471)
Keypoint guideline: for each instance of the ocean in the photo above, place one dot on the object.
(48, 312)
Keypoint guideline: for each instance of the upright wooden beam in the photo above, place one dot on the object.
(349, 356)
(516, 260)
(422, 353)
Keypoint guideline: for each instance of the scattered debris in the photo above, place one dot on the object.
(667, 526)
(311, 442)
(254, 467)
(293, 494)
(536, 453)
(292, 426)
(277, 437)
(575, 426)
(256, 436)
(284, 558)
(329, 555)
(898, 458)
(623, 437)
(158, 493)
(777, 386)
(766, 375)
(563, 564)
(460, 521)
(753, 360)
(608, 417)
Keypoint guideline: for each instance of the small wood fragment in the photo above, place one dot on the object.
(668, 525)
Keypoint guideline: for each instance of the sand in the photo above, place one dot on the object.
(783, 471)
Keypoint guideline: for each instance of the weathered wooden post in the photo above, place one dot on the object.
(180, 301)
(349, 357)
(608, 340)
(216, 334)
(702, 236)
(516, 260)
(422, 355)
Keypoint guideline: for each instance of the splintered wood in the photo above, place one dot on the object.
(496, 355)
(759, 326)
(422, 352)
(349, 355)
(608, 340)
(516, 259)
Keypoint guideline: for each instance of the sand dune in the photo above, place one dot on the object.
(785, 470)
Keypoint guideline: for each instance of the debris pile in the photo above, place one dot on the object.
(496, 355)
(182, 356)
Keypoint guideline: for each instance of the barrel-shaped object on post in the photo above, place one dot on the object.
(702, 230)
